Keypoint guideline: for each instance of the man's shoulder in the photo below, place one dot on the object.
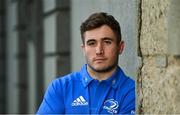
(130, 80)
(125, 81)
(127, 84)
(71, 77)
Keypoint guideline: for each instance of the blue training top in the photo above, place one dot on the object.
(79, 93)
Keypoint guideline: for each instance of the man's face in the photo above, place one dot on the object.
(101, 49)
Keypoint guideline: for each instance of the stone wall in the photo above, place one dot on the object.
(159, 77)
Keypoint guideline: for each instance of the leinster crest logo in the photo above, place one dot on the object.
(111, 106)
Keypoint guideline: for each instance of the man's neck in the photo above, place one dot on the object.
(100, 75)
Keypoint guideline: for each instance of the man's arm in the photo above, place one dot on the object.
(129, 100)
(53, 100)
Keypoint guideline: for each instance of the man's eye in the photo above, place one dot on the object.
(108, 42)
(91, 43)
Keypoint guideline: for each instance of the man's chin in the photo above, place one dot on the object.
(102, 69)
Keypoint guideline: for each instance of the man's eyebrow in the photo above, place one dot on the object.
(107, 38)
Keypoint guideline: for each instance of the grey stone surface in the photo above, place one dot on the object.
(174, 28)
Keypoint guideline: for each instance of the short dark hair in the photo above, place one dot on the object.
(97, 20)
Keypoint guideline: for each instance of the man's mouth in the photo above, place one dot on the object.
(99, 59)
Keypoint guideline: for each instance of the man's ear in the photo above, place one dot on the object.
(121, 46)
(82, 47)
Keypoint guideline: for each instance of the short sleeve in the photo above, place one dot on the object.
(128, 106)
(53, 102)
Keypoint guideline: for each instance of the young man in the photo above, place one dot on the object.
(100, 87)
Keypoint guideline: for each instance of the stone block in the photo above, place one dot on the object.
(160, 87)
(63, 3)
(154, 38)
(161, 61)
(2, 68)
(50, 33)
(63, 65)
(49, 5)
(63, 32)
(154, 95)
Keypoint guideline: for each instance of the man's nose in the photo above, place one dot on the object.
(99, 50)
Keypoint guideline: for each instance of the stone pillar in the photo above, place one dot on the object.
(2, 56)
(12, 79)
(160, 72)
(56, 39)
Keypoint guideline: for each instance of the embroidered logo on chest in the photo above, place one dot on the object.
(80, 101)
(111, 106)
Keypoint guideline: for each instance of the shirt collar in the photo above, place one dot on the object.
(86, 78)
(113, 80)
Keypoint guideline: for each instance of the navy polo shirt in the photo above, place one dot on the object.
(79, 93)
